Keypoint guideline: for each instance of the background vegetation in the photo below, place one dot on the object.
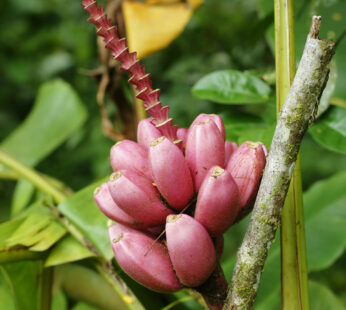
(50, 121)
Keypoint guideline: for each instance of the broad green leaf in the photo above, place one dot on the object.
(6, 291)
(7, 229)
(24, 281)
(262, 134)
(67, 250)
(325, 214)
(37, 229)
(330, 130)
(82, 211)
(22, 195)
(57, 113)
(232, 87)
(322, 298)
(237, 122)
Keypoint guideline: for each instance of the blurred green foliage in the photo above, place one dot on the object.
(47, 47)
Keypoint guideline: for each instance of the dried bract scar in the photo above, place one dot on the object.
(218, 201)
(170, 172)
(127, 154)
(205, 148)
(143, 259)
(136, 196)
(190, 248)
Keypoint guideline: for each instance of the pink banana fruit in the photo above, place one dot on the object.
(109, 208)
(127, 154)
(218, 201)
(215, 118)
(136, 196)
(143, 259)
(246, 166)
(170, 172)
(205, 148)
(147, 132)
(190, 248)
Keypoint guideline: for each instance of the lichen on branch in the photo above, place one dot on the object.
(298, 111)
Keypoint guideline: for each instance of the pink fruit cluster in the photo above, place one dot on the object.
(192, 189)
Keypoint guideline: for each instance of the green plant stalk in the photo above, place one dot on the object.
(139, 108)
(294, 277)
(11, 255)
(31, 175)
(45, 287)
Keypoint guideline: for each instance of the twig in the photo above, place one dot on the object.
(295, 116)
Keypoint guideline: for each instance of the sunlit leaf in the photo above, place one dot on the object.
(37, 229)
(232, 87)
(82, 211)
(67, 250)
(21, 196)
(152, 25)
(57, 113)
(330, 130)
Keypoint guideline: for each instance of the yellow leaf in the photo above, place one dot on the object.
(154, 24)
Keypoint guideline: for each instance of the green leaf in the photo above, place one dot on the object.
(37, 229)
(7, 229)
(24, 281)
(22, 195)
(325, 213)
(322, 298)
(232, 87)
(330, 130)
(67, 250)
(82, 211)
(262, 134)
(57, 113)
(237, 122)
(6, 291)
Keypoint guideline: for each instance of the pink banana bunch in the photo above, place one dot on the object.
(176, 191)
(188, 192)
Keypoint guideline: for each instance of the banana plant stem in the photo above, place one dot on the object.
(294, 278)
(31, 175)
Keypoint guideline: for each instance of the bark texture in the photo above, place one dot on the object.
(298, 111)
